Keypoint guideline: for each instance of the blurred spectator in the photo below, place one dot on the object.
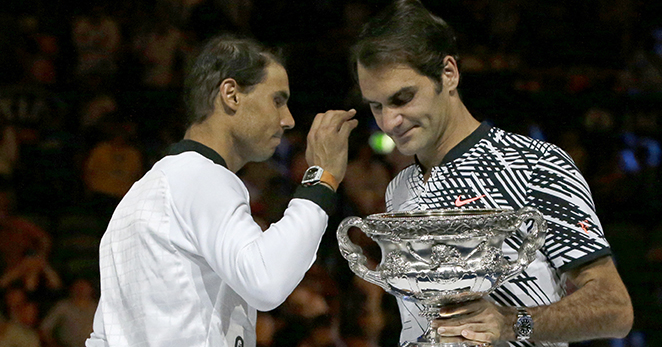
(17, 320)
(8, 150)
(570, 142)
(40, 53)
(265, 328)
(77, 234)
(365, 181)
(43, 144)
(97, 40)
(268, 190)
(24, 246)
(113, 165)
(96, 108)
(362, 316)
(13, 334)
(11, 70)
(308, 318)
(15, 298)
(69, 322)
(159, 45)
(209, 17)
(643, 73)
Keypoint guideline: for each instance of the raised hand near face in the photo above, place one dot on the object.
(328, 141)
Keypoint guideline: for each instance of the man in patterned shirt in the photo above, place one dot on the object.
(406, 65)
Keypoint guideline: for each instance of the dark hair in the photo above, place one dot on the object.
(405, 32)
(222, 57)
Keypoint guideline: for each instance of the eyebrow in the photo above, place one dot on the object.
(408, 89)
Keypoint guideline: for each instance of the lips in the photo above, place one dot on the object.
(402, 134)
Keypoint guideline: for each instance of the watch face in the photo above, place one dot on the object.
(312, 175)
(524, 326)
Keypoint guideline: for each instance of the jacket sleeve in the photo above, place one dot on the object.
(98, 336)
(262, 267)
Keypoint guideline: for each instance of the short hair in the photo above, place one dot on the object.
(405, 32)
(242, 59)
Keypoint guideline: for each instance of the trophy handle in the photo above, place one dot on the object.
(532, 241)
(354, 254)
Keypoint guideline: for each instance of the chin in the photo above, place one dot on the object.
(407, 148)
(266, 155)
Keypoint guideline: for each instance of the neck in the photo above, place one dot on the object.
(214, 136)
(457, 127)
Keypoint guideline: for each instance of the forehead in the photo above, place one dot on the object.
(384, 81)
(275, 79)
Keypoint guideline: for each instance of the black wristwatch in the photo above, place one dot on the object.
(523, 326)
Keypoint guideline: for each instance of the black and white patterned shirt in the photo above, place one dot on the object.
(492, 168)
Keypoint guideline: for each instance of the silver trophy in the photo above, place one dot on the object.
(441, 257)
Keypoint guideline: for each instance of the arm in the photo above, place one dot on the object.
(599, 308)
(264, 267)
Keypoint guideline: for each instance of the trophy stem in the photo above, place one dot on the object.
(431, 338)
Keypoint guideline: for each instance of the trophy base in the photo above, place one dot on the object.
(447, 342)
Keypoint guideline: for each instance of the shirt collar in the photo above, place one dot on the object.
(465, 144)
(190, 145)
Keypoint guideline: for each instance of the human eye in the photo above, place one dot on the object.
(280, 101)
(402, 98)
(375, 107)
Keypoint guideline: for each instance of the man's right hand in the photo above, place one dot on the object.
(328, 141)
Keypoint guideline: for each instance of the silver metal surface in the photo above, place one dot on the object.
(440, 257)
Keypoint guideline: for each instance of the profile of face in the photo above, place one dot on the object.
(262, 116)
(408, 106)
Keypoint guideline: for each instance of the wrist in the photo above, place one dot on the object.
(316, 175)
(524, 325)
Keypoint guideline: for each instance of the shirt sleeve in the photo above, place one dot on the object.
(559, 191)
(98, 336)
(262, 267)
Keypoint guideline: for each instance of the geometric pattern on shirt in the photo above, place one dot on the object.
(512, 171)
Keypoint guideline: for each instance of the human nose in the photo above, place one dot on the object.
(286, 119)
(391, 120)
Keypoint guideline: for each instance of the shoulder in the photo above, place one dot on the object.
(523, 149)
(507, 140)
(190, 173)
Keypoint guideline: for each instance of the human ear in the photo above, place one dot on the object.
(450, 74)
(227, 95)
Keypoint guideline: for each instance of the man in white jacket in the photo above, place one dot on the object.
(182, 262)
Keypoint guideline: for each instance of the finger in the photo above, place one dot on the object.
(348, 126)
(476, 332)
(465, 308)
(316, 123)
(449, 331)
(478, 336)
(346, 116)
(334, 119)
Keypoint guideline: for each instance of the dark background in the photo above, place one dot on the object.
(586, 75)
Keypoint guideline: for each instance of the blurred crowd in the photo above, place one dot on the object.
(90, 96)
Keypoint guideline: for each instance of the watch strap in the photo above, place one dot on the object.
(523, 326)
(315, 175)
(329, 179)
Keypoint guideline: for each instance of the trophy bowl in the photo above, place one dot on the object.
(440, 257)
